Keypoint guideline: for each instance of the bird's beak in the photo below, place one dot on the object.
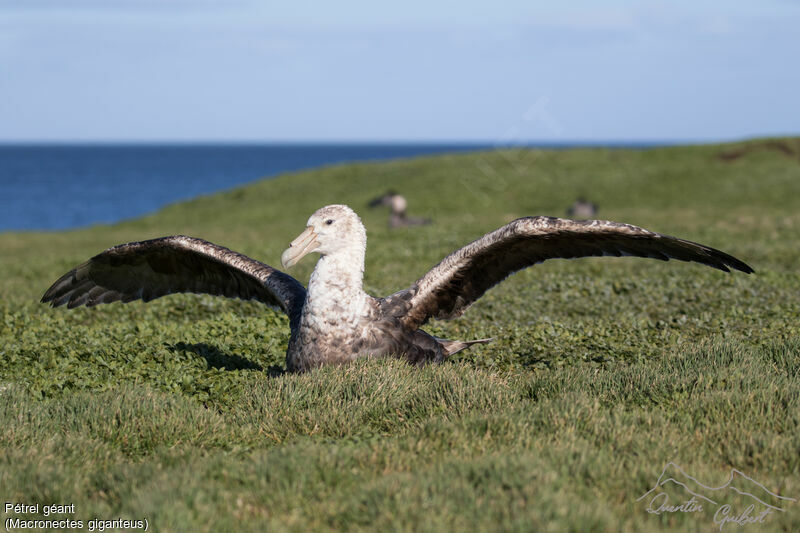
(305, 243)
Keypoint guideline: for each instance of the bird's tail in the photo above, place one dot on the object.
(451, 347)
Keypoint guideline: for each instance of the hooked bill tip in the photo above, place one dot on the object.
(305, 243)
(287, 259)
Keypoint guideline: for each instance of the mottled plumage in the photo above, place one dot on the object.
(335, 321)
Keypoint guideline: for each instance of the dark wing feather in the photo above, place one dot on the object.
(465, 275)
(150, 269)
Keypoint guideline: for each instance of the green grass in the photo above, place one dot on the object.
(603, 370)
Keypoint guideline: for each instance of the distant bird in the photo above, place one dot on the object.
(398, 217)
(335, 321)
(582, 209)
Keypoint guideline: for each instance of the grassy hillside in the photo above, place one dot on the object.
(602, 372)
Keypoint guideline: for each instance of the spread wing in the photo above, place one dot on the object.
(150, 269)
(462, 277)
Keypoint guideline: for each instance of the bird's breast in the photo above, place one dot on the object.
(331, 333)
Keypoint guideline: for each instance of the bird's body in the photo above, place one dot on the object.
(339, 319)
(330, 333)
(334, 321)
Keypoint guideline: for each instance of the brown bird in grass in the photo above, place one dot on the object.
(334, 321)
(398, 218)
(582, 209)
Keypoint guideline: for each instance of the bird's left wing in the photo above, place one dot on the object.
(150, 269)
(462, 277)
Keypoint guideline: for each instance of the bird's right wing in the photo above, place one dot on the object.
(150, 269)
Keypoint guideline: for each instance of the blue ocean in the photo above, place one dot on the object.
(60, 186)
(53, 187)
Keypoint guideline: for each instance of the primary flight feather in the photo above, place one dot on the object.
(334, 320)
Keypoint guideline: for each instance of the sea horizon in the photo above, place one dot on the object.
(310, 140)
(59, 185)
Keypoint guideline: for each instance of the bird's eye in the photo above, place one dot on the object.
(329, 221)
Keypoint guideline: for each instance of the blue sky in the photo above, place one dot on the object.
(228, 70)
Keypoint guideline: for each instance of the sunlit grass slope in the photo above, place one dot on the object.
(602, 372)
